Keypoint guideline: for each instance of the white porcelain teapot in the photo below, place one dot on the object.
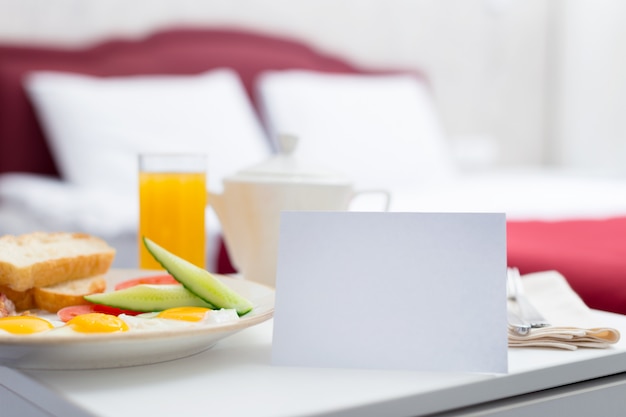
(250, 205)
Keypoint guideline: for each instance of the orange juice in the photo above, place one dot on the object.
(171, 213)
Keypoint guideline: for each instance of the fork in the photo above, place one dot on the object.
(517, 324)
(527, 311)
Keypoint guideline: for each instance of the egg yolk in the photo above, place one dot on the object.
(24, 324)
(97, 323)
(184, 313)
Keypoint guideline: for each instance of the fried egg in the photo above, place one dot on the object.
(97, 323)
(179, 317)
(184, 313)
(24, 324)
(92, 323)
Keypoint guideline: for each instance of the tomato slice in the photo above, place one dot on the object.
(101, 308)
(67, 313)
(154, 279)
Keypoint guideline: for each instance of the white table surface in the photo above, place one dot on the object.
(235, 378)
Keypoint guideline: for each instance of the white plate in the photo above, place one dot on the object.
(92, 351)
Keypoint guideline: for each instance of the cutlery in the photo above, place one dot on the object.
(528, 313)
(518, 325)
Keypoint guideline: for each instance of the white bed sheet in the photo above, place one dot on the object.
(30, 202)
(523, 194)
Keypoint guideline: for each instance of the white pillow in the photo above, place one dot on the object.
(381, 130)
(97, 126)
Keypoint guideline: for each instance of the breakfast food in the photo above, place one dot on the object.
(40, 259)
(55, 297)
(52, 270)
(198, 281)
(199, 288)
(179, 300)
(102, 323)
(147, 298)
(7, 307)
(25, 324)
(70, 293)
(22, 300)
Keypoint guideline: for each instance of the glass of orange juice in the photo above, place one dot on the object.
(172, 206)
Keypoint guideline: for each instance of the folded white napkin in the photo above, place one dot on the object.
(573, 324)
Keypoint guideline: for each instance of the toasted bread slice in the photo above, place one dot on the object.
(42, 259)
(55, 297)
(23, 300)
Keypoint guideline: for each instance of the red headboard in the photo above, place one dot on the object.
(179, 51)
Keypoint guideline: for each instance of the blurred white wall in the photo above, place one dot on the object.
(590, 108)
(517, 82)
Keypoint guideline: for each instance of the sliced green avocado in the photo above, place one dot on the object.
(199, 281)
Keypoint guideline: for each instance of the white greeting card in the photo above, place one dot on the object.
(411, 291)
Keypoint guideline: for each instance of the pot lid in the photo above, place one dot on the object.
(286, 167)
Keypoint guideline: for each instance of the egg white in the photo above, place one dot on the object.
(224, 315)
(153, 323)
(150, 321)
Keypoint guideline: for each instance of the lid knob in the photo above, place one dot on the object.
(285, 167)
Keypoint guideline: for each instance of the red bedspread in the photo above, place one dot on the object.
(590, 254)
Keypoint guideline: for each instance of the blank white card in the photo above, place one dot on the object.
(411, 291)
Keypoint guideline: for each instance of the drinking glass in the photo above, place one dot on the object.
(172, 206)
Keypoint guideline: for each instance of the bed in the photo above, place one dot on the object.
(66, 147)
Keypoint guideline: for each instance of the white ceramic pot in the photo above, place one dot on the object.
(250, 205)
